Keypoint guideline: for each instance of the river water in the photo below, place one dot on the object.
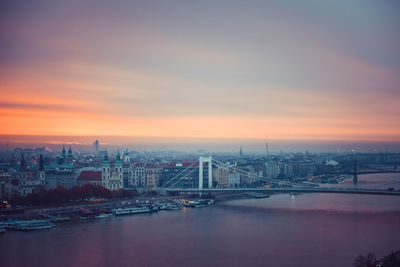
(283, 230)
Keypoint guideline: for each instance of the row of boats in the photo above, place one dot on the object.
(156, 206)
(50, 221)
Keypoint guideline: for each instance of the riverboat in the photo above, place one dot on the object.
(131, 210)
(32, 225)
(199, 203)
(103, 215)
(174, 206)
(58, 218)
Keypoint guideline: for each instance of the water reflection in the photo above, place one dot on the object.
(283, 230)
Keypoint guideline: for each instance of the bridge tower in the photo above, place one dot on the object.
(201, 161)
(355, 173)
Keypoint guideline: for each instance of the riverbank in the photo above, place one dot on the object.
(97, 209)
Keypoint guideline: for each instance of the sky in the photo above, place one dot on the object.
(253, 70)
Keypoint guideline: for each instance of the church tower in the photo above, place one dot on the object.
(126, 159)
(63, 154)
(105, 170)
(118, 167)
(69, 156)
(41, 172)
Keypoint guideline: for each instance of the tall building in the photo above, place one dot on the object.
(96, 146)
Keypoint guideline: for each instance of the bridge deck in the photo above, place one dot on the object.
(287, 190)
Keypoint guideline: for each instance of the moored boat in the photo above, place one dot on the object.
(259, 195)
(32, 225)
(58, 218)
(103, 215)
(131, 210)
(174, 206)
(199, 203)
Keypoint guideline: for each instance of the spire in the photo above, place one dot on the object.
(41, 165)
(63, 152)
(105, 157)
(118, 157)
(69, 151)
(22, 166)
(125, 158)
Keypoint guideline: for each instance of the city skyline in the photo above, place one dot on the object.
(211, 70)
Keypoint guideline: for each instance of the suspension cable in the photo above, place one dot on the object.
(180, 173)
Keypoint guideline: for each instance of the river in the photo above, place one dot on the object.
(283, 230)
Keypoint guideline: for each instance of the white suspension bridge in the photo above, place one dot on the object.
(266, 185)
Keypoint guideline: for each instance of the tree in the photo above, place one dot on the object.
(365, 261)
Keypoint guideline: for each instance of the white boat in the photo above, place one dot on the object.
(174, 206)
(192, 203)
(59, 218)
(199, 203)
(33, 225)
(103, 215)
(260, 195)
(131, 210)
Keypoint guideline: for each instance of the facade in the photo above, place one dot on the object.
(64, 178)
(8, 184)
(127, 171)
(271, 169)
(89, 177)
(110, 176)
(189, 175)
(139, 178)
(152, 176)
(221, 177)
(234, 179)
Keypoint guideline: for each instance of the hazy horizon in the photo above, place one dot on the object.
(193, 144)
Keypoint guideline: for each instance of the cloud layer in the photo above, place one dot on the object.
(276, 70)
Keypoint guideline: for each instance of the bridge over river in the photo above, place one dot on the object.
(272, 185)
(285, 190)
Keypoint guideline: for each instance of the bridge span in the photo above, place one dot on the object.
(279, 185)
(284, 190)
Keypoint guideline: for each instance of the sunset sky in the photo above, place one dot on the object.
(296, 70)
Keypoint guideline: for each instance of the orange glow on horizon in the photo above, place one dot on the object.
(265, 76)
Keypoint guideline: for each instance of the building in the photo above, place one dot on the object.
(152, 176)
(234, 178)
(139, 179)
(221, 177)
(110, 176)
(89, 177)
(127, 171)
(182, 175)
(25, 182)
(64, 178)
(96, 146)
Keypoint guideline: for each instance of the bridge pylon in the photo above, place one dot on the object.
(201, 161)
